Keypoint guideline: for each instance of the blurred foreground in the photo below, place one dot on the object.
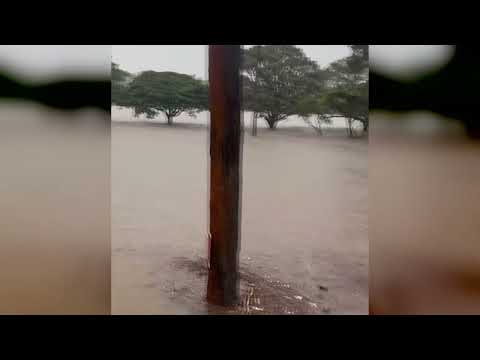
(424, 198)
(54, 210)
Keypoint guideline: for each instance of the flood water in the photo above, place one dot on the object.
(121, 114)
(304, 241)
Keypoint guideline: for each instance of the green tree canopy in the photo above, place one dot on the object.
(346, 92)
(276, 78)
(119, 75)
(169, 93)
(120, 80)
(349, 97)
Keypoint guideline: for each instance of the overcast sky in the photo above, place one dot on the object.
(44, 62)
(192, 59)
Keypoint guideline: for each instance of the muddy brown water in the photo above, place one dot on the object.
(304, 247)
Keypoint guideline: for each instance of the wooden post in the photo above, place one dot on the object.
(225, 174)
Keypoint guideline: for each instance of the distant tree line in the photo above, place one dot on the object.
(278, 81)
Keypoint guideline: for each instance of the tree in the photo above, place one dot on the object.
(317, 106)
(349, 98)
(119, 75)
(344, 92)
(120, 80)
(170, 93)
(350, 103)
(276, 78)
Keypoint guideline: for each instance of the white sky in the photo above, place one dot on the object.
(44, 62)
(192, 59)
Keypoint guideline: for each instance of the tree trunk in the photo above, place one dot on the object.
(319, 127)
(272, 123)
(169, 119)
(225, 174)
(349, 128)
(254, 124)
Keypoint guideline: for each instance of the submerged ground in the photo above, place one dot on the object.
(304, 246)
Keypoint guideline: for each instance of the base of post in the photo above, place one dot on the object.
(218, 291)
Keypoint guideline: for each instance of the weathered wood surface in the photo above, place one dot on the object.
(225, 174)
